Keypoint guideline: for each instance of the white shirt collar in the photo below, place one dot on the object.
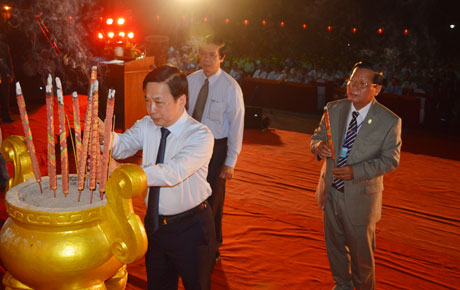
(214, 77)
(362, 112)
(177, 127)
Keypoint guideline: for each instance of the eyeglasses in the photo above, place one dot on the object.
(359, 85)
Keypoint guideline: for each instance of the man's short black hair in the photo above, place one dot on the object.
(173, 77)
(378, 75)
(213, 39)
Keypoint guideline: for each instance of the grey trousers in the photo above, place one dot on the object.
(350, 248)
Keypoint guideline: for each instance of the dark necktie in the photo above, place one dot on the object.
(151, 220)
(348, 143)
(201, 101)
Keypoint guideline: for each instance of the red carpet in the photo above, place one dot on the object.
(273, 234)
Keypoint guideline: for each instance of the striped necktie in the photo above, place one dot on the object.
(151, 220)
(347, 144)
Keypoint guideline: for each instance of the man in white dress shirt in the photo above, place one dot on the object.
(223, 112)
(183, 242)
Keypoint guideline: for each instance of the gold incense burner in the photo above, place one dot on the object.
(73, 249)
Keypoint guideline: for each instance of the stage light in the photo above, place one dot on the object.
(329, 28)
(111, 34)
(100, 35)
(304, 26)
(158, 17)
(246, 22)
(406, 31)
(227, 21)
(452, 26)
(380, 30)
(353, 30)
(205, 20)
(131, 35)
(121, 34)
(109, 21)
(6, 7)
(282, 24)
(264, 22)
(121, 21)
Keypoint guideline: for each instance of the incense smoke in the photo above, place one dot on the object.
(57, 32)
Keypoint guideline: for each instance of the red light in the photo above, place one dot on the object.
(329, 28)
(304, 26)
(264, 22)
(227, 21)
(131, 35)
(121, 34)
(406, 31)
(111, 34)
(353, 30)
(121, 21)
(380, 30)
(100, 36)
(246, 22)
(282, 24)
(109, 21)
(205, 20)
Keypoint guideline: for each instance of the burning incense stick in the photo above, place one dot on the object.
(107, 140)
(28, 134)
(63, 139)
(84, 149)
(329, 134)
(77, 127)
(51, 142)
(94, 140)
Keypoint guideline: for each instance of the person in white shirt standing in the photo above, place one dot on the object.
(179, 221)
(216, 100)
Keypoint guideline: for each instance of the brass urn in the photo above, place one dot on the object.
(77, 247)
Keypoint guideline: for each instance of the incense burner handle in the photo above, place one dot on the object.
(124, 228)
(14, 149)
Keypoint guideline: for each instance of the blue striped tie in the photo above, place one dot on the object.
(348, 143)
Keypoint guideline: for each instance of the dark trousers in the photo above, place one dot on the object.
(187, 249)
(217, 198)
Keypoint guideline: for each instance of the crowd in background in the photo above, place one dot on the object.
(439, 83)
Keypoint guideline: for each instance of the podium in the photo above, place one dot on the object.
(126, 78)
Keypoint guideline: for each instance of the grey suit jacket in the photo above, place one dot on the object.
(376, 151)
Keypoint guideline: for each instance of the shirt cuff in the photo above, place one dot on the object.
(231, 162)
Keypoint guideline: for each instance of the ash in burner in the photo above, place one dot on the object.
(29, 197)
